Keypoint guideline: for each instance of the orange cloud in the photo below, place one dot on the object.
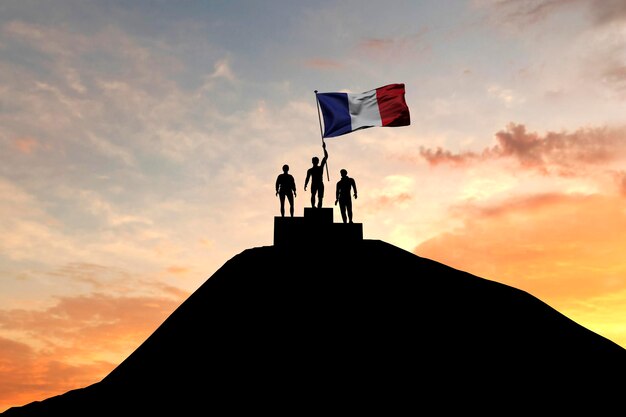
(546, 236)
(566, 250)
(620, 178)
(97, 276)
(72, 344)
(383, 202)
(396, 192)
(396, 47)
(560, 153)
(441, 156)
(373, 43)
(323, 64)
(25, 145)
(27, 376)
(177, 270)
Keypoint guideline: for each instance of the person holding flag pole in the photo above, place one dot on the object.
(316, 172)
(316, 175)
(319, 118)
(348, 112)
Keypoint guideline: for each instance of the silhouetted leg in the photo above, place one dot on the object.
(290, 197)
(320, 196)
(319, 202)
(313, 200)
(349, 209)
(342, 208)
(282, 204)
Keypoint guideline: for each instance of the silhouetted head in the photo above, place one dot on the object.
(315, 160)
(343, 172)
(285, 168)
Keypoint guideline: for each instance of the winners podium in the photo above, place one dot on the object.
(315, 228)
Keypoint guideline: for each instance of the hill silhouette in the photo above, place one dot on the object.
(364, 327)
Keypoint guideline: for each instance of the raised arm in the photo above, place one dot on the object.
(325, 155)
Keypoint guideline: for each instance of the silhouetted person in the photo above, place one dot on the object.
(285, 187)
(316, 175)
(344, 186)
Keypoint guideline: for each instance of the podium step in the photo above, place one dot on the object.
(315, 230)
(318, 215)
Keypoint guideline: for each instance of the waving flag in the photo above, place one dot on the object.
(346, 112)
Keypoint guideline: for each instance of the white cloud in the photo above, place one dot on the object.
(506, 95)
(483, 187)
(222, 70)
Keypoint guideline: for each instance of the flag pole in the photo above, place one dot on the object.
(319, 118)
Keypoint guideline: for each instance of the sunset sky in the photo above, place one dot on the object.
(140, 142)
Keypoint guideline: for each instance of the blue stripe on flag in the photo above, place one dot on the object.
(336, 113)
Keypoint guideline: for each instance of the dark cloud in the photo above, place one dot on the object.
(441, 156)
(561, 153)
(525, 12)
(608, 11)
(528, 11)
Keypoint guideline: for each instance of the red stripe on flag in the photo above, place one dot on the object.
(392, 105)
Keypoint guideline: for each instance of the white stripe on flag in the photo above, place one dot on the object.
(364, 110)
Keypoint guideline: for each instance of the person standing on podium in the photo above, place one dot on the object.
(285, 187)
(344, 186)
(316, 175)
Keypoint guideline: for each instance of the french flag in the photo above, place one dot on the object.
(346, 112)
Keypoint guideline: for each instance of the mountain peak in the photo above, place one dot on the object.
(358, 323)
